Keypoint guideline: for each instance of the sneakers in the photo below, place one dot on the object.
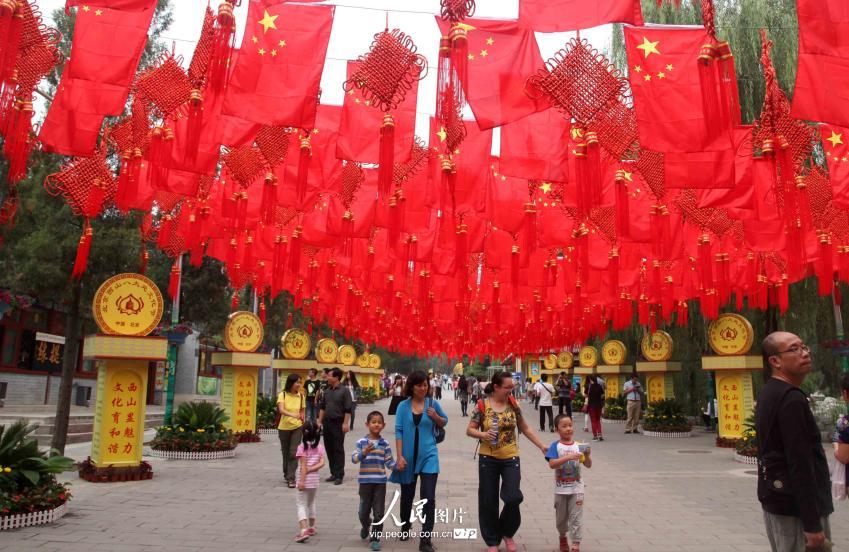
(337, 481)
(595, 438)
(374, 545)
(564, 544)
(331, 479)
(302, 536)
(364, 533)
(600, 438)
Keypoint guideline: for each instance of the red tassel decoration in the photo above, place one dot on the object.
(715, 120)
(459, 53)
(18, 143)
(295, 252)
(195, 123)
(387, 156)
(683, 314)
(593, 183)
(514, 270)
(843, 263)
(623, 211)
(278, 268)
(222, 45)
(144, 257)
(825, 267)
(729, 95)
(529, 229)
(582, 179)
(174, 281)
(262, 313)
(643, 310)
(303, 167)
(613, 270)
(783, 292)
(83, 249)
(11, 42)
(247, 263)
(234, 301)
(164, 232)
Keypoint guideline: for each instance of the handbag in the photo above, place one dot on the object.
(438, 432)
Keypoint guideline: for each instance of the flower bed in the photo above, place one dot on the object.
(29, 519)
(726, 442)
(197, 427)
(114, 474)
(667, 434)
(607, 421)
(248, 437)
(267, 431)
(745, 459)
(614, 411)
(183, 455)
(666, 417)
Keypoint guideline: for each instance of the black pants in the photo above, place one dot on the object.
(536, 403)
(334, 445)
(427, 490)
(353, 410)
(491, 472)
(464, 406)
(565, 404)
(372, 507)
(543, 410)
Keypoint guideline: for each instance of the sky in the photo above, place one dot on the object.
(354, 26)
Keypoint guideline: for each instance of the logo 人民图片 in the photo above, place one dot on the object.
(129, 304)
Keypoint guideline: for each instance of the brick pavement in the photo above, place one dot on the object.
(642, 493)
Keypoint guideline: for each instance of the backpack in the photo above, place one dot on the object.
(510, 398)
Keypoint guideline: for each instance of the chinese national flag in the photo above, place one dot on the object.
(549, 16)
(108, 44)
(127, 5)
(276, 78)
(533, 148)
(822, 79)
(663, 70)
(502, 55)
(471, 160)
(741, 197)
(359, 134)
(73, 122)
(835, 142)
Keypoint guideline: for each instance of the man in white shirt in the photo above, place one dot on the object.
(633, 391)
(545, 391)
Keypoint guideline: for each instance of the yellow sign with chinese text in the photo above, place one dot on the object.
(659, 387)
(613, 352)
(127, 304)
(362, 360)
(238, 397)
(550, 362)
(735, 401)
(326, 351)
(119, 413)
(243, 332)
(588, 357)
(373, 361)
(656, 347)
(565, 360)
(296, 344)
(730, 334)
(347, 355)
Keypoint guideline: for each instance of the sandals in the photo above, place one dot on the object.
(576, 547)
(302, 536)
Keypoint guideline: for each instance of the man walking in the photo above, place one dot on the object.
(311, 389)
(633, 392)
(794, 485)
(335, 418)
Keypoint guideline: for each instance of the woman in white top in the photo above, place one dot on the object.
(353, 387)
(396, 391)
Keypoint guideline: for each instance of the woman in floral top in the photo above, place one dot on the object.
(494, 422)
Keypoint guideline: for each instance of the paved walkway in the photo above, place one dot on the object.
(663, 495)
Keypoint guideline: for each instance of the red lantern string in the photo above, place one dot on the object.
(222, 45)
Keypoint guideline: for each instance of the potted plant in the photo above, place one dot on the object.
(665, 418)
(197, 433)
(746, 448)
(614, 411)
(29, 491)
(266, 415)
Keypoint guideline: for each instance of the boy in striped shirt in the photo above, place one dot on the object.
(374, 455)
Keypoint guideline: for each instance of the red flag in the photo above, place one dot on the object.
(502, 55)
(108, 44)
(835, 142)
(822, 78)
(663, 70)
(532, 148)
(276, 78)
(359, 132)
(127, 5)
(73, 122)
(548, 16)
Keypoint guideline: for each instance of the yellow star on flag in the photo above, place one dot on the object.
(268, 21)
(262, 51)
(273, 53)
(490, 41)
(638, 69)
(647, 77)
(465, 26)
(835, 139)
(577, 133)
(648, 47)
(86, 9)
(282, 43)
(669, 67)
(628, 176)
(442, 134)
(484, 53)
(254, 39)
(545, 187)
(661, 75)
(98, 12)
(470, 57)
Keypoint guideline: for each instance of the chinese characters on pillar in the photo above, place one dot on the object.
(244, 408)
(121, 429)
(734, 398)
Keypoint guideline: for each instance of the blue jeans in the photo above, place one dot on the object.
(499, 478)
(312, 410)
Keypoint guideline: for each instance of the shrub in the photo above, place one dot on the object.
(266, 412)
(367, 395)
(28, 475)
(197, 427)
(578, 402)
(614, 409)
(666, 416)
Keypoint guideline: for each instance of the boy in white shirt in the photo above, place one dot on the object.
(565, 457)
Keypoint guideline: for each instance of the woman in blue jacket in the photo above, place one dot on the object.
(418, 457)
